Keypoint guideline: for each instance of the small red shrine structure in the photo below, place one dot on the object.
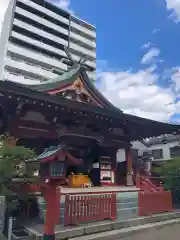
(69, 111)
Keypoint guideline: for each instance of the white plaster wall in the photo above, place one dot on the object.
(139, 146)
(165, 147)
(121, 155)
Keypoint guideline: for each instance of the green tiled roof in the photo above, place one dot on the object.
(48, 152)
(138, 127)
(63, 79)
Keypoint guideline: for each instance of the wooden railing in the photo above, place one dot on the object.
(89, 207)
(145, 183)
(154, 202)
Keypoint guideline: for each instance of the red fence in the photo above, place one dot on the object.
(91, 207)
(154, 202)
(146, 184)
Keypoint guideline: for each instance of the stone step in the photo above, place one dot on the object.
(62, 205)
(127, 205)
(127, 213)
(119, 196)
(62, 214)
(127, 197)
(127, 194)
(129, 200)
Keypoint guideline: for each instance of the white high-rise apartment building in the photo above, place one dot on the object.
(33, 37)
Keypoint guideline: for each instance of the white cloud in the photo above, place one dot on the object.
(175, 77)
(174, 7)
(137, 93)
(178, 111)
(146, 45)
(65, 4)
(150, 56)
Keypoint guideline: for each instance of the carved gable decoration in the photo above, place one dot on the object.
(78, 93)
(35, 117)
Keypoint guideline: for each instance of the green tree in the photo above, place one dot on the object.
(14, 175)
(13, 168)
(170, 175)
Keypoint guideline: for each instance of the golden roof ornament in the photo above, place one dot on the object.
(81, 62)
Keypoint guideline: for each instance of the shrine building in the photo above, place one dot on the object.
(77, 135)
(69, 111)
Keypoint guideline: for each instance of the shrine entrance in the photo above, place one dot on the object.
(88, 151)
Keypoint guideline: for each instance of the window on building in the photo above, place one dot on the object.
(147, 153)
(157, 153)
(14, 73)
(175, 151)
(29, 78)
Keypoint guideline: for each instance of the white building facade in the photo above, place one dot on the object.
(162, 148)
(33, 37)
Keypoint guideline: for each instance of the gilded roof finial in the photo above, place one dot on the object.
(81, 62)
(66, 49)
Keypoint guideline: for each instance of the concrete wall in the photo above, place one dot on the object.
(6, 29)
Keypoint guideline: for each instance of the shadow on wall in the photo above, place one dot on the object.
(121, 173)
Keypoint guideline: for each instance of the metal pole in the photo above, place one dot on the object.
(10, 225)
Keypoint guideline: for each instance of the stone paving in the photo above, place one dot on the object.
(166, 233)
(116, 230)
(152, 231)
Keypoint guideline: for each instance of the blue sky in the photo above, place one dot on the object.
(138, 58)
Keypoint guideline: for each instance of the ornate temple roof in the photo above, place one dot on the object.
(62, 80)
(67, 79)
(75, 90)
(51, 153)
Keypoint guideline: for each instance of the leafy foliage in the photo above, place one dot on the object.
(170, 175)
(12, 163)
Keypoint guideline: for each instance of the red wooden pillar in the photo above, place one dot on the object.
(129, 176)
(52, 216)
(138, 179)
